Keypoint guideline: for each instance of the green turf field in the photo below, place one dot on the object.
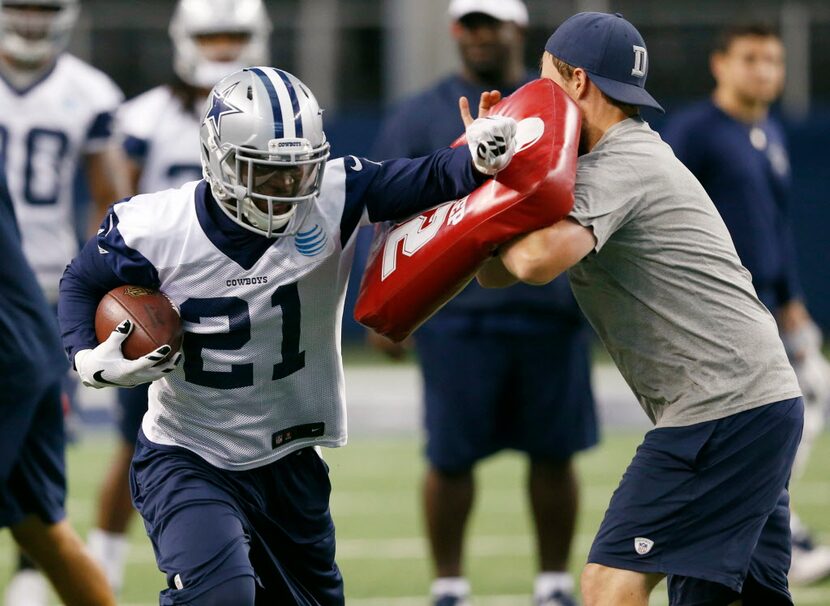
(380, 548)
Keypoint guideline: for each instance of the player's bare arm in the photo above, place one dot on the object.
(540, 256)
(108, 179)
(134, 172)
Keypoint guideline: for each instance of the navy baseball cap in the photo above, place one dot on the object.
(610, 50)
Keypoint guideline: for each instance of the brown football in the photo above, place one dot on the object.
(156, 319)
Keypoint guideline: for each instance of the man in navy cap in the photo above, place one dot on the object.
(501, 369)
(704, 500)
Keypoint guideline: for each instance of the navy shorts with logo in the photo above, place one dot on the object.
(32, 442)
(132, 404)
(707, 505)
(486, 392)
(210, 525)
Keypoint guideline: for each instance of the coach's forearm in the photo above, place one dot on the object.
(540, 256)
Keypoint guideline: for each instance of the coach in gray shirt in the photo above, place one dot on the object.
(704, 501)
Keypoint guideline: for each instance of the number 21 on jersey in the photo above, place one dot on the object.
(235, 310)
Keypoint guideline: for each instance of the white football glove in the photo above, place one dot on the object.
(106, 366)
(492, 142)
(804, 350)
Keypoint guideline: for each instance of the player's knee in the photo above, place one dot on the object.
(591, 584)
(601, 585)
(238, 590)
(452, 473)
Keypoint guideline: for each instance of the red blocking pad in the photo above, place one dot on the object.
(416, 266)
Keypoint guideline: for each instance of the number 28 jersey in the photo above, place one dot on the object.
(44, 132)
(262, 372)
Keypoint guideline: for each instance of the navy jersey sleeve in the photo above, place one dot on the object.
(104, 263)
(137, 149)
(396, 189)
(100, 129)
(788, 286)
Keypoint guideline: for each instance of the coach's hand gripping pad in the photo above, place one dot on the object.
(416, 266)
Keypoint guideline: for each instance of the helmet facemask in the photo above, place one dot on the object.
(195, 21)
(32, 32)
(264, 190)
(264, 150)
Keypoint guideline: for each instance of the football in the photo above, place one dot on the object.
(156, 319)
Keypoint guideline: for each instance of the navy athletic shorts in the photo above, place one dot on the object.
(707, 505)
(32, 442)
(132, 404)
(488, 392)
(209, 525)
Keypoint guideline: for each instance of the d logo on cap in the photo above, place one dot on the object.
(640, 62)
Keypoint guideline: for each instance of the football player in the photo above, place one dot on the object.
(59, 116)
(160, 128)
(257, 257)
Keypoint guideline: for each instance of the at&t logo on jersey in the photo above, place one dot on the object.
(312, 242)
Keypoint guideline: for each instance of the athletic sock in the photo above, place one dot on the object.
(454, 586)
(28, 587)
(109, 549)
(547, 583)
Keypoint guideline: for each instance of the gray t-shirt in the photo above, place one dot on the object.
(664, 287)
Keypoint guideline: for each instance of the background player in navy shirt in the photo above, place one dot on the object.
(32, 480)
(738, 152)
(501, 369)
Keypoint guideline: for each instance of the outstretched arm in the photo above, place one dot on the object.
(398, 188)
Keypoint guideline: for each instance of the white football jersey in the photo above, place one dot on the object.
(44, 132)
(262, 374)
(162, 136)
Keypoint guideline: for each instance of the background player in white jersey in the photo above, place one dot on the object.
(704, 500)
(233, 495)
(160, 128)
(58, 116)
(62, 112)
